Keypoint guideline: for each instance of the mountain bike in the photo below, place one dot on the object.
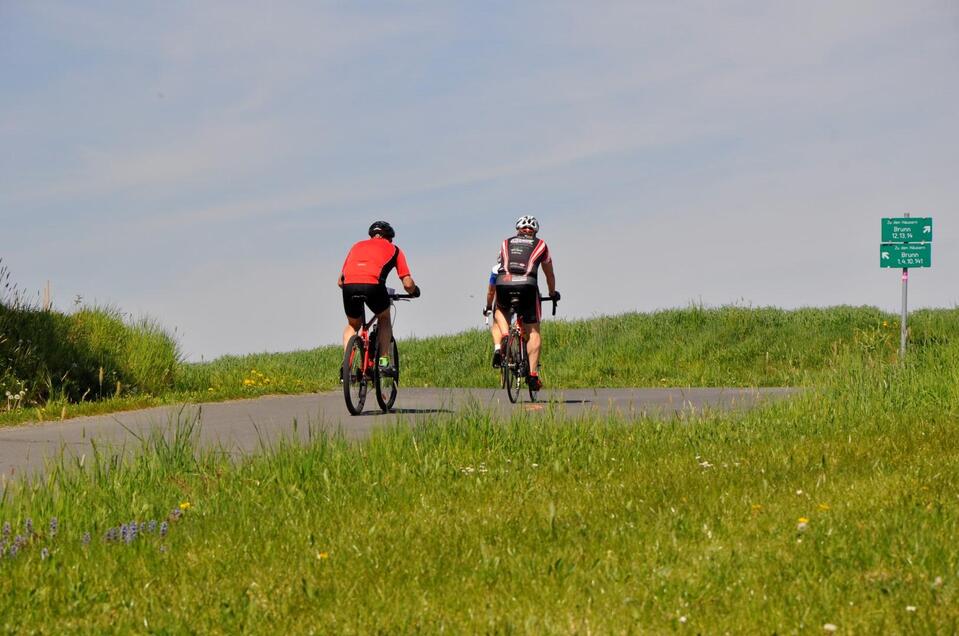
(514, 368)
(360, 368)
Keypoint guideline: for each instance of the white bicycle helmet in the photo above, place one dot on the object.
(529, 222)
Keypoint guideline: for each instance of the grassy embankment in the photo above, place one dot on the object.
(839, 507)
(728, 346)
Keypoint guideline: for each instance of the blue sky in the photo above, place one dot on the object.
(209, 164)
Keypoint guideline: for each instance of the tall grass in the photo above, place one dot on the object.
(836, 507)
(89, 354)
(696, 346)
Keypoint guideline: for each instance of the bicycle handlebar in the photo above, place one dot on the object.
(391, 293)
(551, 298)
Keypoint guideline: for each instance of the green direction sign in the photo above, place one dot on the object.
(906, 229)
(905, 255)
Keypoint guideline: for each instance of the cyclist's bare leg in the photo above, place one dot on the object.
(499, 327)
(352, 326)
(384, 332)
(532, 347)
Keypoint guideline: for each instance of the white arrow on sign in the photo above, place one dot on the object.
(927, 229)
(885, 256)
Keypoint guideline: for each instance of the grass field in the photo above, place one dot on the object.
(726, 346)
(838, 508)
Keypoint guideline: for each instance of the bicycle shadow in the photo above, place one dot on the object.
(404, 412)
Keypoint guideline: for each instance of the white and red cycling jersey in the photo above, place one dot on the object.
(520, 257)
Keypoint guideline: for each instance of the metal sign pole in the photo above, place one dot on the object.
(902, 322)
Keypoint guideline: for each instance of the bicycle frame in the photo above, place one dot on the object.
(364, 334)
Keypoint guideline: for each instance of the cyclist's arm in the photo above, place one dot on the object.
(490, 295)
(550, 278)
(339, 281)
(403, 271)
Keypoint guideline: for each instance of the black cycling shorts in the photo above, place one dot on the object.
(356, 294)
(527, 297)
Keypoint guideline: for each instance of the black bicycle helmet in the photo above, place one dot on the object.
(382, 228)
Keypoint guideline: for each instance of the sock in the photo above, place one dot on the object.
(495, 347)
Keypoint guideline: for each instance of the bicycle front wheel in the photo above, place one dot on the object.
(354, 380)
(513, 365)
(386, 386)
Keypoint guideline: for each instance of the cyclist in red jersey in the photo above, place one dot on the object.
(518, 262)
(363, 280)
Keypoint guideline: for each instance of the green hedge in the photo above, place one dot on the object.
(89, 354)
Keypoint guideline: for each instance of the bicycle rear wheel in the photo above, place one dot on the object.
(354, 380)
(386, 386)
(513, 366)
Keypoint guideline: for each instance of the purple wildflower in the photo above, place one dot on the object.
(86, 538)
(111, 535)
(44, 554)
(124, 533)
(164, 527)
(6, 529)
(28, 526)
(54, 526)
(175, 514)
(14, 549)
(19, 541)
(152, 526)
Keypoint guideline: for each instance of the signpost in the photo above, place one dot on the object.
(905, 255)
(906, 229)
(906, 242)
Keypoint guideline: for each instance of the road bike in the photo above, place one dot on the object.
(514, 368)
(360, 368)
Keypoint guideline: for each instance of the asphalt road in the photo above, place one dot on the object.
(244, 426)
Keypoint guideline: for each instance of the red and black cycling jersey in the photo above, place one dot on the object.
(522, 256)
(369, 262)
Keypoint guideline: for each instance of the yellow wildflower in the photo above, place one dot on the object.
(803, 520)
(824, 506)
(184, 505)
